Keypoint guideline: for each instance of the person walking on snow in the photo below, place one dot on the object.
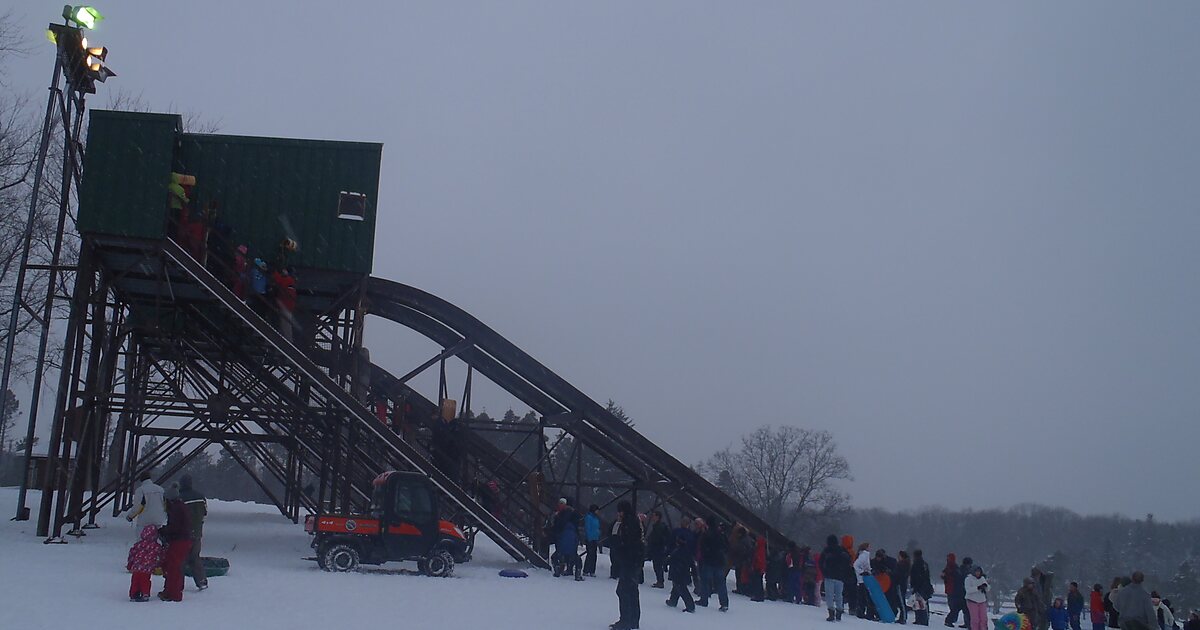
(148, 507)
(680, 574)
(197, 511)
(714, 549)
(629, 550)
(177, 534)
(976, 594)
(144, 557)
(657, 547)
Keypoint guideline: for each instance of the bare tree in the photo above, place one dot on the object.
(787, 476)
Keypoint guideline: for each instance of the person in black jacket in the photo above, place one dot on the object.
(680, 573)
(628, 552)
(714, 549)
(657, 542)
(921, 582)
(903, 568)
(837, 570)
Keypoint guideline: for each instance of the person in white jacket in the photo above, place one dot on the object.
(862, 567)
(148, 506)
(976, 587)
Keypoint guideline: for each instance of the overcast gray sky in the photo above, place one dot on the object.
(962, 237)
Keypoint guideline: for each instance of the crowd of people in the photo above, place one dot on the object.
(265, 282)
(698, 556)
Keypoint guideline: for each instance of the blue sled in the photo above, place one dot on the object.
(882, 607)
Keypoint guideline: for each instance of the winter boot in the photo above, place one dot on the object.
(831, 615)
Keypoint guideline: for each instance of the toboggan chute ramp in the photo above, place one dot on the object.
(167, 339)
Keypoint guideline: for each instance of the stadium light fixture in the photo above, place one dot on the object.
(85, 16)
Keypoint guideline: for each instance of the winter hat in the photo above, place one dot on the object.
(242, 249)
(172, 492)
(831, 540)
(260, 263)
(1155, 595)
(562, 501)
(185, 482)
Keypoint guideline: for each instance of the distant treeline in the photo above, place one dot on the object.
(1009, 542)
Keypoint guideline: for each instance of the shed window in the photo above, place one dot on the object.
(352, 206)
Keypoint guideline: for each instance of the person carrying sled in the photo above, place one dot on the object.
(1029, 602)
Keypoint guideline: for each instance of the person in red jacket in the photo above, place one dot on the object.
(177, 534)
(758, 567)
(285, 300)
(956, 600)
(1096, 607)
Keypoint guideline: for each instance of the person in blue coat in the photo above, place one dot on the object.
(566, 539)
(591, 537)
(1059, 616)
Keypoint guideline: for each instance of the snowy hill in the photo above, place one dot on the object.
(84, 584)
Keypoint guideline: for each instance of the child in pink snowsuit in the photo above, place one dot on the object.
(144, 558)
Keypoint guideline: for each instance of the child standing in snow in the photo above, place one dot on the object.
(1059, 618)
(144, 558)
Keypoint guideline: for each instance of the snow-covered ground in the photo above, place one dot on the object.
(84, 584)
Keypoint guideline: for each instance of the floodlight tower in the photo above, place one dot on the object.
(81, 64)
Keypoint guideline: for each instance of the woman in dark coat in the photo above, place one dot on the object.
(629, 552)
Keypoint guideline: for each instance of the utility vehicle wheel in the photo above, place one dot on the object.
(341, 558)
(439, 564)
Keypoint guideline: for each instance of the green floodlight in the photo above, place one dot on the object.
(85, 16)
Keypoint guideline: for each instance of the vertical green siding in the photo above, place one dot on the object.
(267, 188)
(125, 173)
